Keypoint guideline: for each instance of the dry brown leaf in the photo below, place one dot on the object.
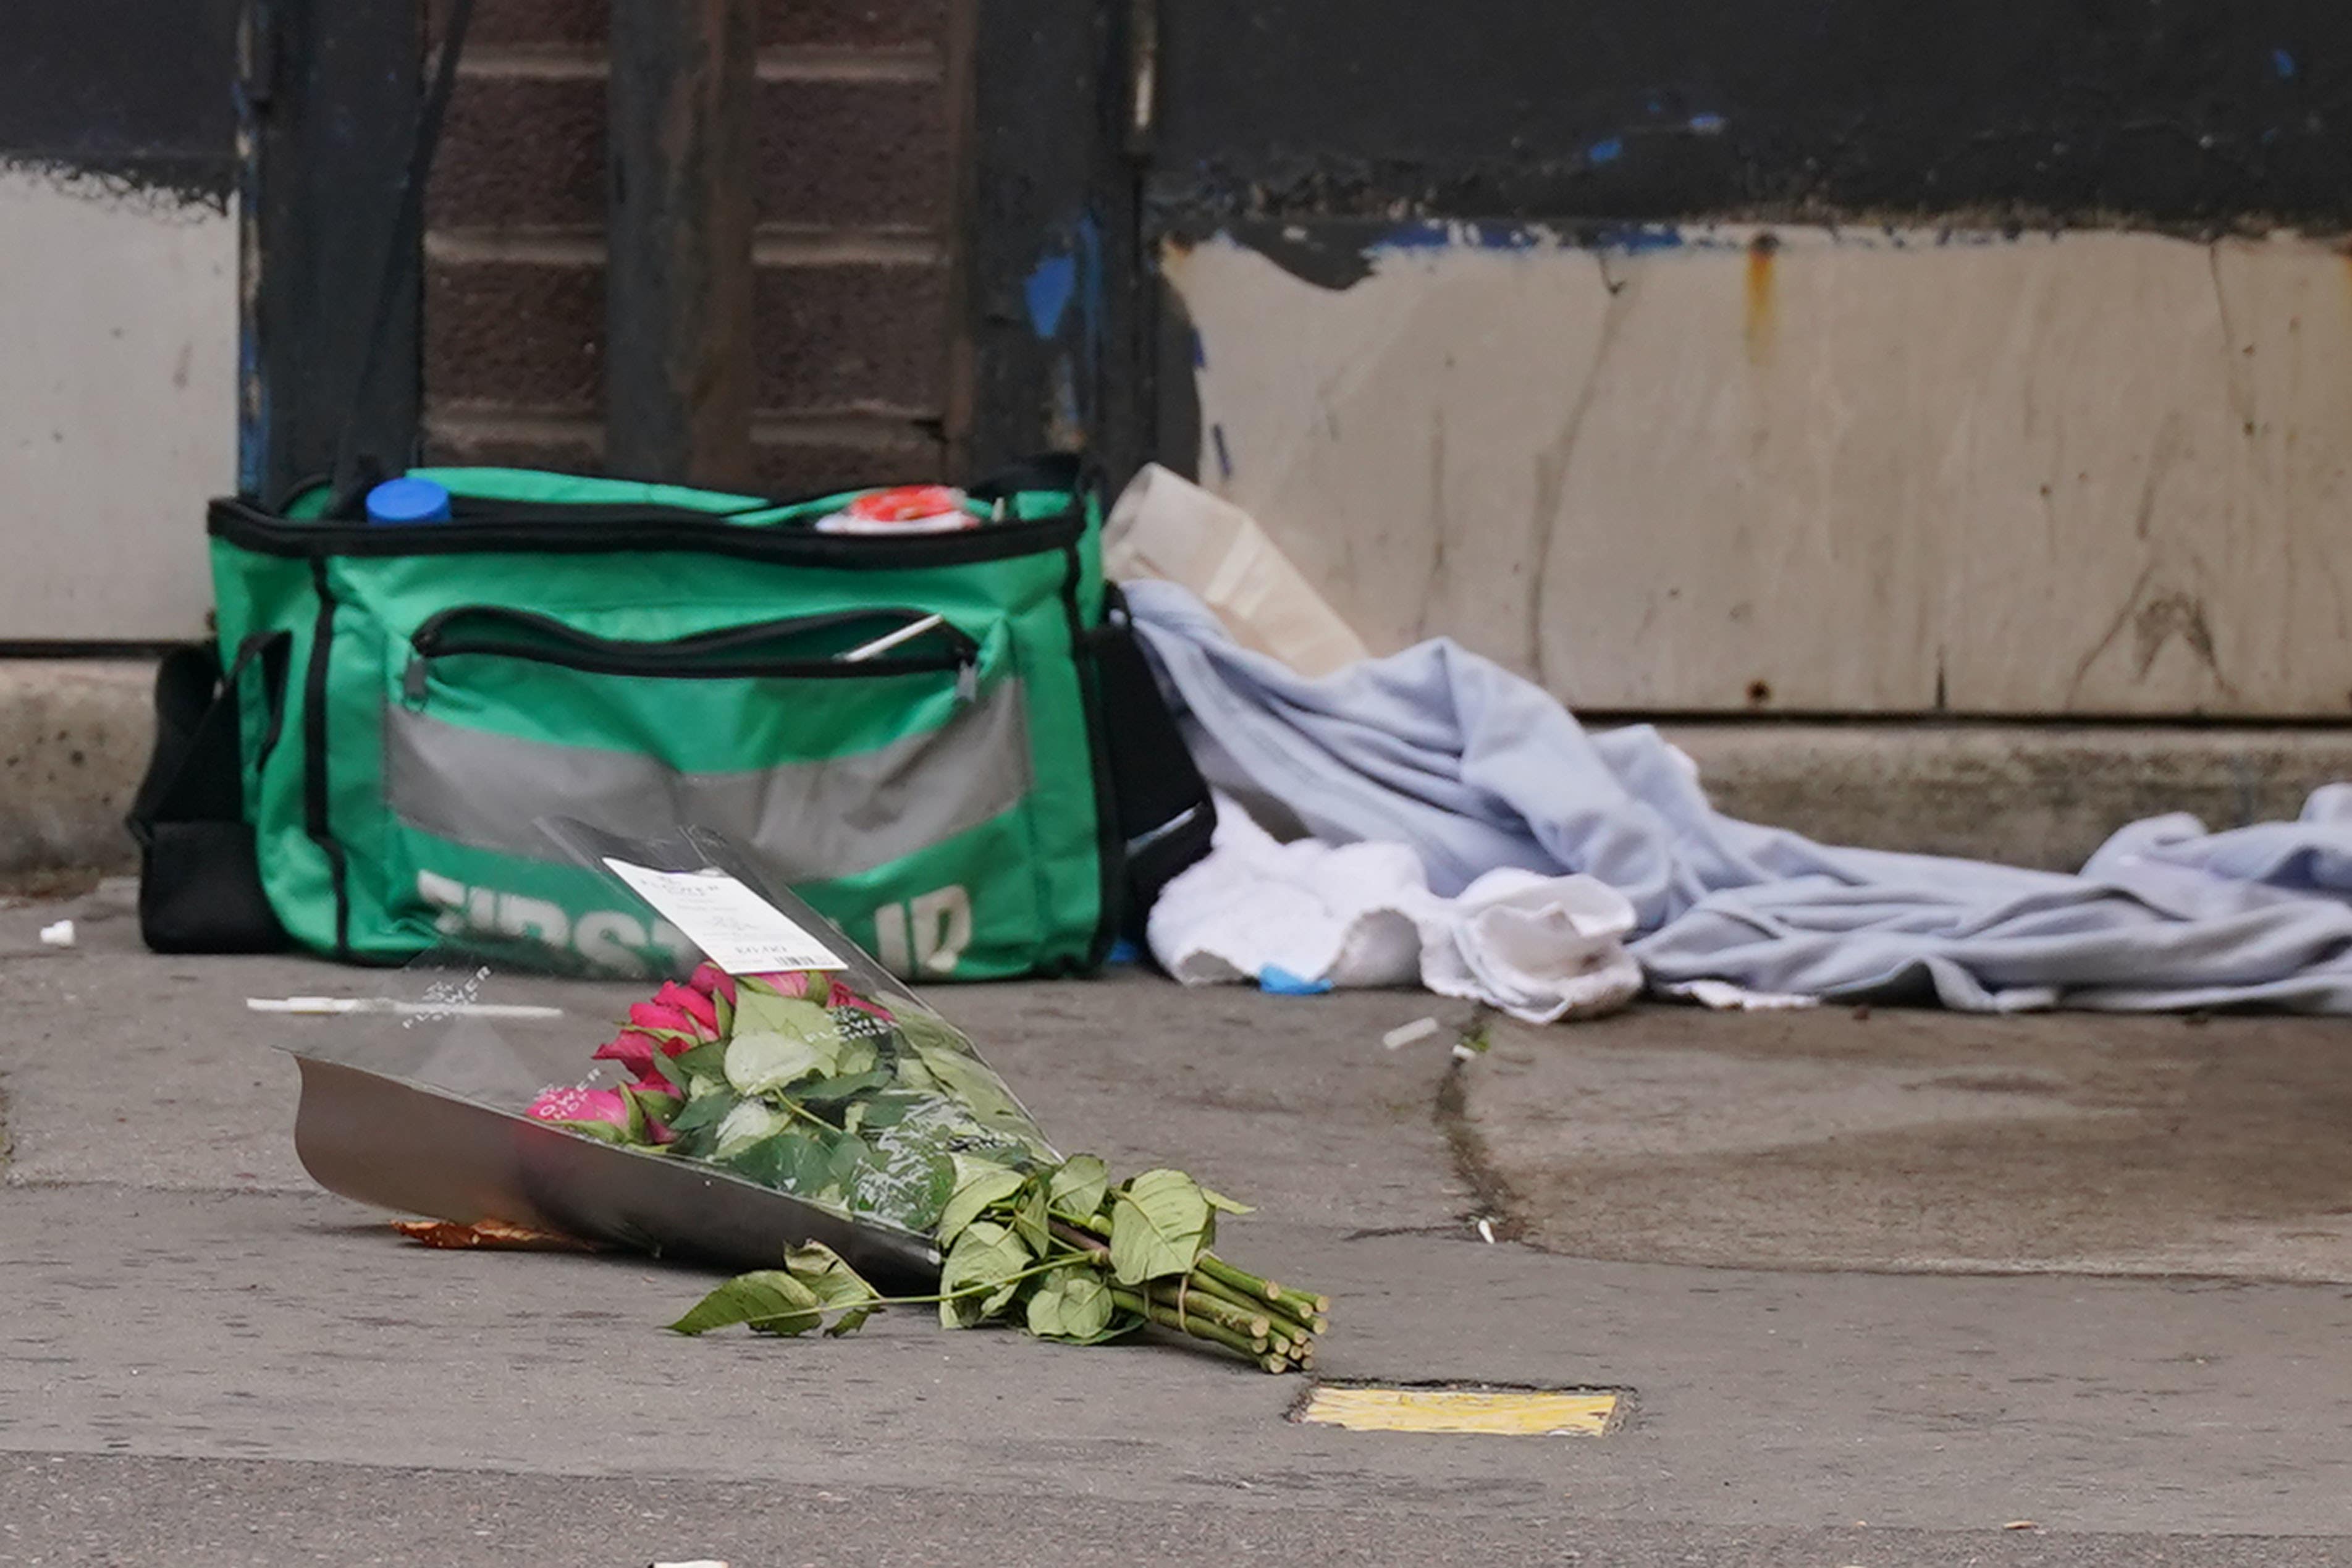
(494, 1234)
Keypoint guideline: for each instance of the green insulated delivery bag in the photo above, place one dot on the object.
(907, 728)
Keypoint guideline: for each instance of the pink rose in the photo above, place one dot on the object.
(609, 1106)
(653, 1077)
(843, 996)
(632, 1051)
(693, 1004)
(581, 1105)
(713, 981)
(824, 990)
(663, 1017)
(795, 983)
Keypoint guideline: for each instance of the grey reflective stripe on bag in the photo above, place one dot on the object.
(810, 821)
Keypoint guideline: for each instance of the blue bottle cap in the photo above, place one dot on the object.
(408, 501)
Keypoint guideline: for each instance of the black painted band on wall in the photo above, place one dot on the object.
(2165, 112)
(135, 92)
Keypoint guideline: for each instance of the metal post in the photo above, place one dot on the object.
(327, 98)
(678, 367)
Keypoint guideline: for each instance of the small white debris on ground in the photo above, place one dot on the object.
(58, 935)
(1723, 996)
(1404, 1035)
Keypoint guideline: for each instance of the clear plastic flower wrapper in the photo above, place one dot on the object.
(765, 1096)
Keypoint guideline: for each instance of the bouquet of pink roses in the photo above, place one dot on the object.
(876, 1108)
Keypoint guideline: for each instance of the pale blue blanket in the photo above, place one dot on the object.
(1447, 751)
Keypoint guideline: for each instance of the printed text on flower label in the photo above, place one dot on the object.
(736, 929)
(940, 928)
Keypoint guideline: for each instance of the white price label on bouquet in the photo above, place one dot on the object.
(736, 929)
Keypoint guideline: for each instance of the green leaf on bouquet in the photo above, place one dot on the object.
(946, 1059)
(1223, 1204)
(858, 1057)
(653, 1103)
(980, 1187)
(725, 1011)
(905, 1186)
(1071, 1304)
(1080, 1186)
(835, 1284)
(887, 1109)
(985, 1254)
(705, 1065)
(771, 1300)
(1160, 1221)
(705, 1110)
(1029, 1216)
(773, 1161)
(933, 1188)
(780, 1040)
(846, 1163)
(834, 1091)
(748, 1123)
(914, 1077)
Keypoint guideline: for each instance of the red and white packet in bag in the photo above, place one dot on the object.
(908, 508)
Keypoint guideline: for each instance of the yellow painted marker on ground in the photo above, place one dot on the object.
(1501, 1412)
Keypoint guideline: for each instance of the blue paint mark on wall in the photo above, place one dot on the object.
(1048, 290)
(1069, 272)
(1607, 152)
(1639, 239)
(1707, 124)
(1417, 237)
(1439, 235)
(2283, 63)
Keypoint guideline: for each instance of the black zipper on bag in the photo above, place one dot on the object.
(605, 529)
(722, 655)
(477, 509)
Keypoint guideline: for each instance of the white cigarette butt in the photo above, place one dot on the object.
(1404, 1035)
(331, 1005)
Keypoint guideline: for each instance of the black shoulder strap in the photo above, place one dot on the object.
(1166, 816)
(192, 774)
(199, 875)
(355, 472)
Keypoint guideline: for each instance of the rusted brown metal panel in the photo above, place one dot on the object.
(678, 289)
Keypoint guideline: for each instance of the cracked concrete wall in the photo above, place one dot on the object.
(1805, 470)
(118, 406)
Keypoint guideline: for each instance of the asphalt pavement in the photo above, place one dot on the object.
(205, 1359)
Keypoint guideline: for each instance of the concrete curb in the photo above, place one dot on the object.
(2023, 794)
(74, 738)
(75, 735)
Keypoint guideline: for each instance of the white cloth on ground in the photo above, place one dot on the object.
(1475, 768)
(1540, 948)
